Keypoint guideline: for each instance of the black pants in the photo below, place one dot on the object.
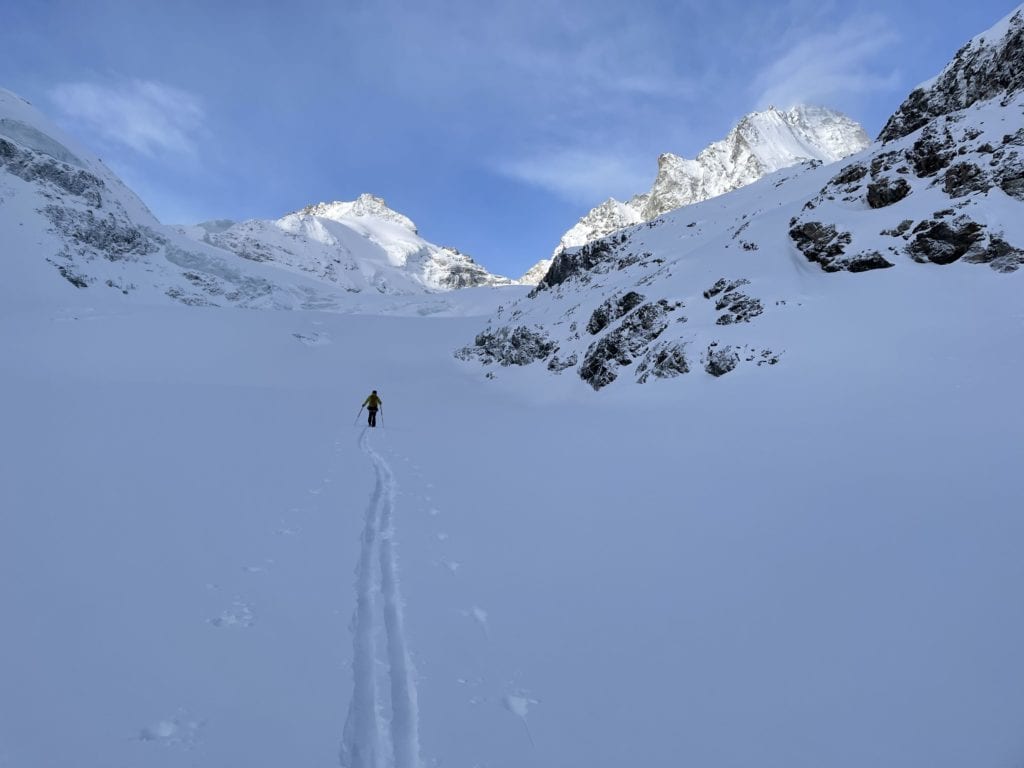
(372, 413)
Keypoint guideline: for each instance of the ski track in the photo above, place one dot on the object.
(363, 737)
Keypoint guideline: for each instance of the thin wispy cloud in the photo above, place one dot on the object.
(148, 117)
(580, 176)
(837, 63)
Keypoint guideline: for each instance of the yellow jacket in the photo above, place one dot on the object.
(373, 402)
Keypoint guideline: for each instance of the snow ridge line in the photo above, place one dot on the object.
(362, 739)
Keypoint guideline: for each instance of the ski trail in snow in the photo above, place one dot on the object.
(362, 738)
(405, 710)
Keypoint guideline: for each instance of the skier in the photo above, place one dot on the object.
(372, 403)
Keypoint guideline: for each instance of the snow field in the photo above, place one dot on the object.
(811, 564)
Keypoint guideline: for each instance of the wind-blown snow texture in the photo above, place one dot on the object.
(204, 562)
(761, 143)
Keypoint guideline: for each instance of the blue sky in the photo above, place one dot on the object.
(494, 126)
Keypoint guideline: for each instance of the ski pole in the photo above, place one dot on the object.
(382, 414)
(358, 415)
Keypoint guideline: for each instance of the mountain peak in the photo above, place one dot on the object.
(364, 205)
(760, 143)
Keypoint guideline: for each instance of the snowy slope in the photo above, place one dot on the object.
(760, 144)
(358, 246)
(69, 224)
(824, 559)
(206, 561)
(721, 283)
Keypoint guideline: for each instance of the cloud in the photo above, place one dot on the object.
(150, 118)
(830, 65)
(581, 176)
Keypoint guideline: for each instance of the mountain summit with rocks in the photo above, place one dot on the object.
(761, 143)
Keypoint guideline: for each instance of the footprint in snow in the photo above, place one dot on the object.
(519, 705)
(452, 565)
(258, 568)
(435, 512)
(238, 615)
(179, 731)
(442, 537)
(480, 617)
(313, 339)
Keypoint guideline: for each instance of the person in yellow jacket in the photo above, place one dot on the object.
(372, 403)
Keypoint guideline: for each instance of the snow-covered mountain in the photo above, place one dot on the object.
(360, 245)
(69, 223)
(760, 144)
(205, 562)
(720, 283)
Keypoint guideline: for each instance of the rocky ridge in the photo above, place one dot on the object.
(761, 143)
(951, 154)
(711, 286)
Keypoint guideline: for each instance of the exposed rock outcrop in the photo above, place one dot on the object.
(825, 245)
(621, 346)
(989, 66)
(517, 345)
(611, 310)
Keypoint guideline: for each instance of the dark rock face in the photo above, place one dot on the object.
(1011, 177)
(978, 72)
(739, 307)
(850, 174)
(79, 281)
(964, 178)
(887, 191)
(622, 345)
(32, 166)
(999, 255)
(943, 243)
(466, 276)
(866, 261)
(724, 285)
(664, 361)
(901, 229)
(108, 236)
(718, 361)
(932, 152)
(509, 346)
(557, 364)
(824, 245)
(820, 243)
(570, 263)
(611, 310)
(598, 257)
